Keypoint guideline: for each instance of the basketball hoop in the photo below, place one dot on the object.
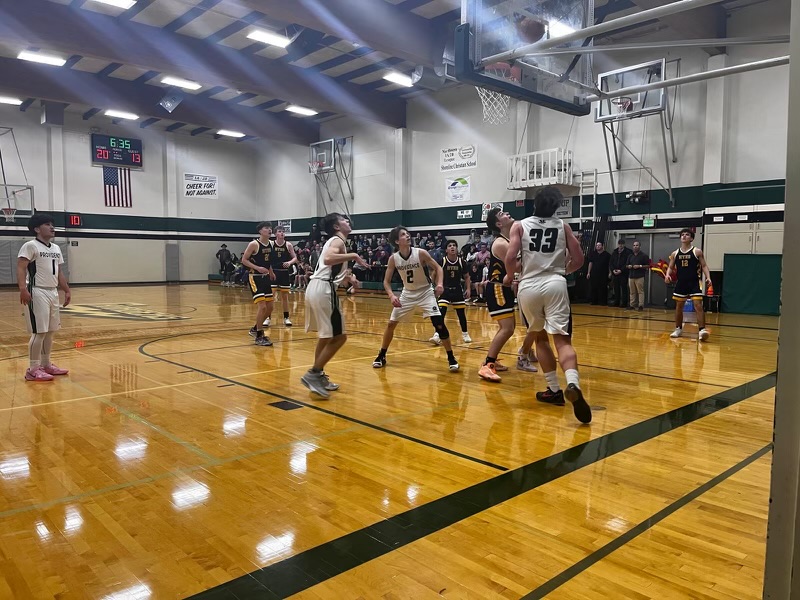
(315, 167)
(9, 214)
(495, 104)
(624, 104)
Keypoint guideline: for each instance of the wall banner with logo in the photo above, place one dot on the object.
(457, 190)
(458, 158)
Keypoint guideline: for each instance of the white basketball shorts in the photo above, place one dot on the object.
(323, 313)
(423, 298)
(41, 314)
(545, 304)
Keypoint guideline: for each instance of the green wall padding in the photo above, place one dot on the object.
(752, 284)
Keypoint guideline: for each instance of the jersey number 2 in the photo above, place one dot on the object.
(550, 237)
(410, 276)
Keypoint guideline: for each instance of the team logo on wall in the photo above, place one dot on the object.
(126, 311)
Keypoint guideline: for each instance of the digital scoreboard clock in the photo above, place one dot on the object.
(119, 151)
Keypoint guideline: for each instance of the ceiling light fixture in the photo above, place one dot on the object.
(302, 110)
(181, 83)
(10, 100)
(47, 59)
(229, 133)
(118, 114)
(268, 37)
(399, 79)
(126, 4)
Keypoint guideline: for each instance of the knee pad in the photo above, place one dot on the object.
(441, 328)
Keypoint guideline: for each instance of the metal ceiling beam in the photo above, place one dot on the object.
(703, 22)
(77, 87)
(373, 23)
(59, 28)
(639, 46)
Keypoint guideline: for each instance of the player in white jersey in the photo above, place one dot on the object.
(417, 292)
(322, 304)
(549, 251)
(39, 276)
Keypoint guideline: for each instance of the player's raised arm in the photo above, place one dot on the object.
(514, 247)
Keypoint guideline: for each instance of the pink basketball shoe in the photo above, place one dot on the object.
(51, 369)
(37, 374)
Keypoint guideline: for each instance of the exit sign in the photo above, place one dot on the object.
(74, 221)
(648, 222)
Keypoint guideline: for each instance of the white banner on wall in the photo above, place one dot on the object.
(457, 190)
(565, 210)
(287, 225)
(458, 158)
(200, 186)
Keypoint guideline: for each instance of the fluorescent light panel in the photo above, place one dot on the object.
(47, 59)
(229, 133)
(399, 79)
(10, 100)
(268, 37)
(302, 110)
(126, 4)
(181, 83)
(118, 114)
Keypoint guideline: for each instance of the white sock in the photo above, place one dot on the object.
(552, 381)
(572, 377)
(47, 346)
(35, 350)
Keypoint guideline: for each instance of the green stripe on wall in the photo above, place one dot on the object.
(693, 198)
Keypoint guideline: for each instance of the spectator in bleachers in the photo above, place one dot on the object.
(473, 238)
(486, 237)
(483, 253)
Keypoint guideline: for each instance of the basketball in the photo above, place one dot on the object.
(530, 30)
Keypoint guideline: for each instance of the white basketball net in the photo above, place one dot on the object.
(314, 167)
(9, 214)
(495, 104)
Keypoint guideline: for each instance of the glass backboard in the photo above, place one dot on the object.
(634, 104)
(492, 27)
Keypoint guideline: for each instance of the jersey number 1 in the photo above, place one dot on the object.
(550, 237)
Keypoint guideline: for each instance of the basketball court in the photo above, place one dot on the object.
(139, 471)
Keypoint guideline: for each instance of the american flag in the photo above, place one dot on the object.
(117, 186)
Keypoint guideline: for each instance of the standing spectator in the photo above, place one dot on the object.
(315, 236)
(597, 274)
(314, 256)
(223, 256)
(638, 265)
(436, 252)
(473, 238)
(439, 241)
(619, 273)
(486, 237)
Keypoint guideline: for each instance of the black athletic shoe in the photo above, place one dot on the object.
(252, 331)
(379, 362)
(579, 406)
(550, 397)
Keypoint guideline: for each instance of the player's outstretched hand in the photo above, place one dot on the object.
(362, 262)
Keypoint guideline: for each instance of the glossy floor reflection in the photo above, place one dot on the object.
(177, 458)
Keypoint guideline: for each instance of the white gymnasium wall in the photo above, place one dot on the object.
(234, 163)
(284, 188)
(373, 176)
(642, 136)
(759, 100)
(454, 118)
(104, 260)
(32, 141)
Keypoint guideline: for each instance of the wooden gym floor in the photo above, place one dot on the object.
(179, 459)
